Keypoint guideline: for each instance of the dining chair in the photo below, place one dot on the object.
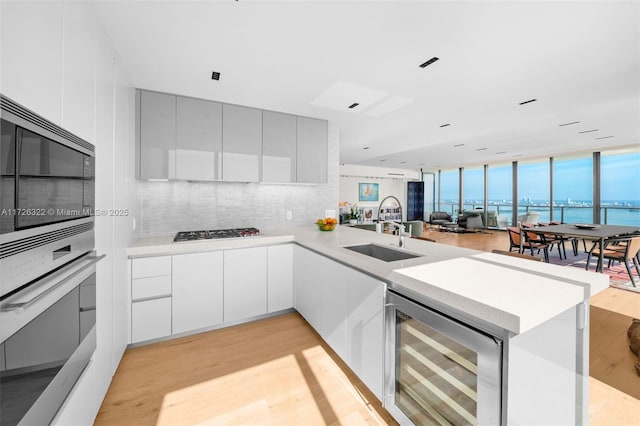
(612, 251)
(530, 241)
(557, 240)
(514, 238)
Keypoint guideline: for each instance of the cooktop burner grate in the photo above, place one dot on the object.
(215, 234)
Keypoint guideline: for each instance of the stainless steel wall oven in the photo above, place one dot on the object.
(47, 264)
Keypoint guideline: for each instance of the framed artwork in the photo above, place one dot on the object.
(368, 192)
(367, 214)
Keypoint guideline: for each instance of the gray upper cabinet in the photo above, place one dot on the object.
(278, 147)
(198, 152)
(194, 139)
(157, 135)
(242, 143)
(312, 149)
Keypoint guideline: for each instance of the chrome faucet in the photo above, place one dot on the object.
(401, 232)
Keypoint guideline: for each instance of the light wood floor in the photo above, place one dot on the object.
(276, 371)
(279, 371)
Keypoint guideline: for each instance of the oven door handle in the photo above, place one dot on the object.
(22, 305)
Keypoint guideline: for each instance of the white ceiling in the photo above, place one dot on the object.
(579, 59)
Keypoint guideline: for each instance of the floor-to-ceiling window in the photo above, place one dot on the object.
(430, 200)
(533, 191)
(620, 187)
(449, 191)
(573, 189)
(473, 188)
(500, 189)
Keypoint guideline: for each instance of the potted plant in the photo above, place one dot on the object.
(354, 215)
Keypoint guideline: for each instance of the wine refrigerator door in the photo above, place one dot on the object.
(439, 371)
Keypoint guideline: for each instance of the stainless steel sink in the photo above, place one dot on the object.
(382, 253)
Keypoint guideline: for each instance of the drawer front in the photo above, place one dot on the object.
(150, 319)
(150, 267)
(144, 288)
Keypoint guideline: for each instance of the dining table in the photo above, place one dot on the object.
(592, 232)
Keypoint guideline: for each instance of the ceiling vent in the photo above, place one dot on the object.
(527, 102)
(353, 105)
(215, 75)
(429, 62)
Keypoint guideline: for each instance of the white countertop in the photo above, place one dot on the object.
(510, 293)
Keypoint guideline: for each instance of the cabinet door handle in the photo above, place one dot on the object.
(51, 285)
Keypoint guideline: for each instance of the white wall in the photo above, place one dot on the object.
(57, 60)
(168, 207)
(392, 182)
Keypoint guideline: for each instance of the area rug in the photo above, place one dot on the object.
(618, 275)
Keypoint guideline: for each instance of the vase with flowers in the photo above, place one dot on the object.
(354, 215)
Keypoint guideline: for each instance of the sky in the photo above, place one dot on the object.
(620, 180)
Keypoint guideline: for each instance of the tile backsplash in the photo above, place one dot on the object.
(168, 207)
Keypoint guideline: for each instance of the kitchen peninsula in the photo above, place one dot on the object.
(536, 313)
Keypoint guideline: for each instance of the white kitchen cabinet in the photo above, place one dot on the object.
(333, 301)
(278, 147)
(197, 295)
(150, 267)
(21, 76)
(365, 329)
(279, 277)
(306, 285)
(198, 139)
(312, 150)
(241, 143)
(320, 296)
(157, 135)
(245, 283)
(151, 289)
(150, 319)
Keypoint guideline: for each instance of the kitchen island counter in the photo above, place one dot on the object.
(505, 292)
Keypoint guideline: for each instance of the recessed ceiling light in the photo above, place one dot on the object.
(568, 124)
(403, 162)
(445, 125)
(459, 145)
(383, 160)
(481, 149)
(589, 131)
(215, 75)
(501, 152)
(420, 164)
(353, 105)
(366, 147)
(604, 137)
(429, 62)
(518, 155)
(527, 102)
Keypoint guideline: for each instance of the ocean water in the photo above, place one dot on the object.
(618, 212)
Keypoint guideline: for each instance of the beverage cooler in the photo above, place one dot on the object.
(437, 370)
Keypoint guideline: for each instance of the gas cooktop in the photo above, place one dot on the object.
(215, 234)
